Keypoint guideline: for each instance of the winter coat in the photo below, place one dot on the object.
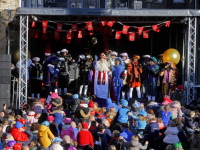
(166, 119)
(45, 136)
(154, 106)
(141, 124)
(30, 138)
(67, 130)
(18, 135)
(135, 145)
(135, 111)
(93, 131)
(123, 117)
(108, 134)
(35, 135)
(58, 120)
(43, 116)
(84, 137)
(190, 122)
(110, 104)
(175, 108)
(37, 107)
(74, 105)
(56, 147)
(102, 141)
(171, 135)
(127, 135)
(152, 129)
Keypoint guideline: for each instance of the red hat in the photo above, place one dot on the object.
(180, 87)
(167, 99)
(85, 126)
(92, 113)
(50, 118)
(91, 104)
(17, 146)
(22, 121)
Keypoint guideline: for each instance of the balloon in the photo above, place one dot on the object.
(171, 55)
(16, 55)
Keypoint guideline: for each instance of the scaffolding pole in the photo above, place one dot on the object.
(23, 66)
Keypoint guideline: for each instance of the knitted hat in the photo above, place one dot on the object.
(124, 102)
(167, 99)
(20, 123)
(45, 123)
(85, 126)
(54, 95)
(31, 113)
(143, 113)
(11, 143)
(75, 96)
(180, 88)
(153, 59)
(50, 118)
(57, 140)
(17, 146)
(9, 137)
(91, 104)
(67, 120)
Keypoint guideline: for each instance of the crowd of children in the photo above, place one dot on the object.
(83, 125)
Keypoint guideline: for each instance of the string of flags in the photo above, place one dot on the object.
(105, 27)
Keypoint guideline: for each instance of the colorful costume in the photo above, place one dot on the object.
(134, 71)
(117, 75)
(151, 81)
(168, 80)
(35, 71)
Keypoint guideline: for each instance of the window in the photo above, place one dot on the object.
(38, 3)
(75, 4)
(121, 3)
(178, 1)
(108, 4)
(92, 3)
(137, 4)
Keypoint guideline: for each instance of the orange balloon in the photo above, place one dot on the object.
(171, 55)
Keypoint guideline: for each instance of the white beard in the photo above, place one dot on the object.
(102, 65)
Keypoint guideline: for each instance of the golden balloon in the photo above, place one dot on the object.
(16, 55)
(171, 55)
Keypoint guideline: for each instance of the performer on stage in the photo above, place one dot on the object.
(112, 56)
(134, 70)
(118, 75)
(125, 87)
(35, 71)
(168, 74)
(144, 64)
(85, 66)
(64, 61)
(50, 72)
(102, 81)
(152, 77)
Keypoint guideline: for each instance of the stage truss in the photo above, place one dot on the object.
(190, 86)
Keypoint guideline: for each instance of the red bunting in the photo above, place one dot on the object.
(91, 32)
(44, 24)
(131, 36)
(44, 36)
(96, 27)
(33, 24)
(146, 34)
(118, 42)
(103, 21)
(44, 30)
(154, 27)
(31, 33)
(74, 27)
(118, 35)
(125, 29)
(111, 22)
(105, 30)
(168, 24)
(50, 37)
(140, 30)
(37, 34)
(68, 35)
(80, 34)
(59, 27)
(158, 29)
(89, 26)
(110, 32)
(56, 35)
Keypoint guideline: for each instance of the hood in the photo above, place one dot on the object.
(57, 101)
(66, 126)
(120, 59)
(135, 144)
(175, 105)
(109, 101)
(173, 130)
(42, 130)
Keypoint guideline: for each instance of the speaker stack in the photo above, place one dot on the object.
(5, 80)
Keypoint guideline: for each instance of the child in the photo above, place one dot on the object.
(165, 115)
(67, 129)
(56, 144)
(5, 124)
(50, 119)
(175, 109)
(34, 129)
(115, 137)
(110, 115)
(160, 124)
(34, 145)
(190, 123)
(37, 106)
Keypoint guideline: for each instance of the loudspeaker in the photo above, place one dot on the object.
(5, 71)
(4, 95)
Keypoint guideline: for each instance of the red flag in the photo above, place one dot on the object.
(111, 22)
(110, 32)
(118, 42)
(158, 29)
(68, 35)
(101, 28)
(44, 36)
(105, 37)
(89, 26)
(96, 27)
(33, 24)
(103, 21)
(74, 27)
(105, 30)
(168, 24)
(132, 36)
(84, 32)
(91, 32)
(44, 24)
(50, 37)
(37, 34)
(80, 34)
(125, 29)
(44, 30)
(138, 36)
(118, 35)
(31, 33)
(56, 35)
(59, 27)
(154, 27)
(140, 30)
(146, 34)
